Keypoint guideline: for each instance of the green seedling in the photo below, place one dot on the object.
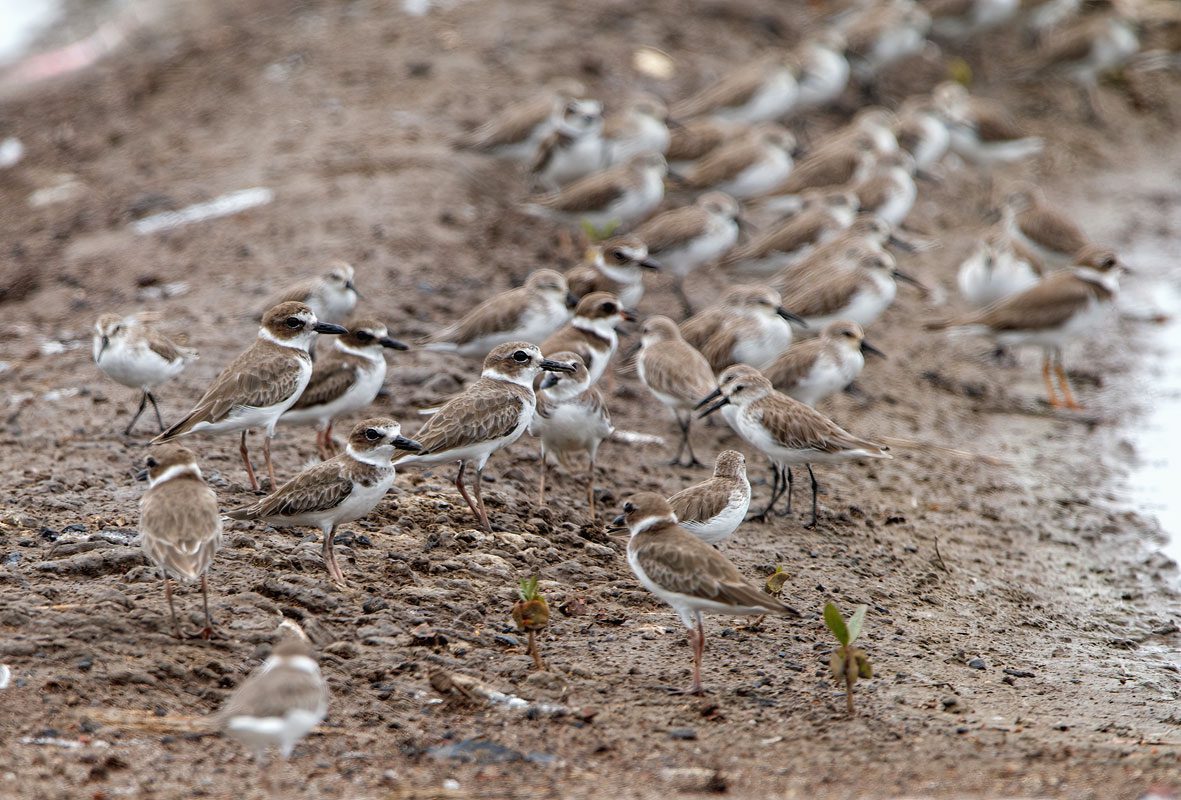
(531, 613)
(594, 234)
(775, 581)
(848, 663)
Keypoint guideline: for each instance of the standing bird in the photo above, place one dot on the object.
(676, 375)
(762, 91)
(331, 297)
(749, 326)
(256, 388)
(823, 71)
(571, 417)
(756, 165)
(829, 167)
(818, 368)
(616, 266)
(1035, 225)
(517, 131)
(889, 190)
(528, 313)
(713, 509)
(342, 489)
(1088, 50)
(923, 132)
(861, 294)
(179, 523)
(982, 131)
(573, 149)
(995, 269)
(695, 139)
(131, 352)
(592, 333)
(642, 127)
(488, 415)
(345, 381)
(611, 200)
(688, 574)
(822, 216)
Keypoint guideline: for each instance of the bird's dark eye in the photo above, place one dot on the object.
(628, 508)
(1108, 262)
(372, 434)
(572, 108)
(739, 387)
(607, 308)
(151, 463)
(294, 322)
(619, 256)
(363, 336)
(520, 356)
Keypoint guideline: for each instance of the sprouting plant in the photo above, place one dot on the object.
(848, 663)
(595, 234)
(531, 613)
(775, 581)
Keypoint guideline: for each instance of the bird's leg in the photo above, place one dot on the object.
(330, 557)
(329, 444)
(480, 500)
(789, 491)
(1089, 101)
(1051, 395)
(321, 450)
(693, 462)
(463, 489)
(698, 651)
(207, 631)
(541, 479)
(775, 492)
(679, 290)
(171, 607)
(143, 402)
(676, 462)
(156, 408)
(1064, 383)
(246, 460)
(590, 488)
(815, 491)
(266, 454)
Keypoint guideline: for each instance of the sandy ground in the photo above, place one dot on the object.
(1021, 627)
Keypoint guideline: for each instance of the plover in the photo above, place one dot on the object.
(642, 127)
(889, 190)
(860, 294)
(1034, 224)
(822, 366)
(676, 375)
(488, 415)
(131, 352)
(331, 296)
(342, 489)
(762, 91)
(280, 703)
(787, 431)
(592, 332)
(982, 131)
(345, 381)
(873, 123)
(756, 165)
(964, 19)
(995, 269)
(611, 200)
(923, 132)
(749, 326)
(688, 574)
(827, 167)
(696, 138)
(616, 266)
(883, 34)
(713, 509)
(528, 313)
(1061, 307)
(1086, 51)
(571, 418)
(823, 71)
(518, 130)
(822, 216)
(867, 236)
(573, 149)
(179, 524)
(254, 390)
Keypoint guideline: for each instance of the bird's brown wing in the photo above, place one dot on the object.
(795, 232)
(584, 279)
(731, 91)
(719, 348)
(1072, 44)
(1051, 230)
(484, 412)
(675, 369)
(317, 488)
(794, 364)
(496, 314)
(948, 8)
(513, 125)
(698, 329)
(827, 294)
(167, 349)
(274, 693)
(694, 140)
(181, 525)
(874, 191)
(724, 164)
(821, 170)
(797, 426)
(702, 502)
(591, 193)
(331, 378)
(1047, 304)
(672, 229)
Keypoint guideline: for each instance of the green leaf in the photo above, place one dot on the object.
(855, 623)
(836, 623)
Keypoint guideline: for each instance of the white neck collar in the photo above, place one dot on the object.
(301, 342)
(370, 353)
(647, 523)
(628, 276)
(176, 471)
(373, 459)
(603, 326)
(519, 380)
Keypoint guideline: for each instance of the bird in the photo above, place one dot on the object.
(889, 190)
(822, 216)
(995, 269)
(761, 91)
(1036, 225)
(873, 124)
(572, 417)
(573, 149)
(748, 167)
(749, 326)
(923, 132)
(675, 374)
(642, 127)
(254, 390)
(828, 167)
(982, 132)
(342, 489)
(787, 431)
(528, 313)
(860, 294)
(132, 352)
(1087, 50)
(823, 71)
(592, 332)
(616, 266)
(280, 703)
(882, 35)
(608, 201)
(179, 524)
(713, 509)
(964, 19)
(1059, 308)
(517, 131)
(867, 236)
(694, 139)
(488, 415)
(331, 296)
(820, 367)
(686, 573)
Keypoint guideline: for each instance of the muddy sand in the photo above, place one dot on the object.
(1021, 626)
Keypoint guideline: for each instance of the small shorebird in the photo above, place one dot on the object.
(528, 313)
(642, 127)
(995, 269)
(256, 388)
(280, 703)
(1091, 48)
(331, 296)
(822, 216)
(613, 199)
(1062, 306)
(749, 326)
(867, 236)
(827, 167)
(872, 123)
(616, 266)
(179, 524)
(131, 352)
(488, 415)
(820, 367)
(713, 509)
(883, 34)
(688, 574)
(695, 139)
(860, 294)
(982, 131)
(823, 71)
(571, 417)
(964, 19)
(923, 132)
(573, 149)
(1034, 224)
(762, 91)
(342, 489)
(518, 130)
(756, 165)
(889, 190)
(676, 375)
(592, 332)
(787, 431)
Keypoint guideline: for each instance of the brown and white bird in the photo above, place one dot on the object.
(280, 703)
(179, 524)
(1034, 224)
(254, 390)
(861, 294)
(517, 131)
(923, 132)
(676, 375)
(694, 139)
(641, 127)
(749, 326)
(614, 199)
(822, 216)
(616, 266)
(873, 123)
(713, 509)
(1089, 49)
(345, 381)
(964, 19)
(889, 190)
(823, 70)
(982, 131)
(571, 418)
(749, 167)
(820, 367)
(1060, 308)
(488, 415)
(331, 296)
(528, 313)
(573, 149)
(883, 34)
(996, 268)
(342, 489)
(829, 167)
(761, 91)
(132, 352)
(686, 573)
(787, 431)
(592, 333)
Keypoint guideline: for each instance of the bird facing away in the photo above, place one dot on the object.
(749, 326)
(761, 91)
(616, 266)
(676, 375)
(342, 489)
(592, 332)
(517, 131)
(611, 200)
(688, 574)
(179, 523)
(818, 368)
(713, 509)
(1036, 225)
(488, 415)
(746, 167)
(571, 418)
(256, 388)
(331, 296)
(131, 352)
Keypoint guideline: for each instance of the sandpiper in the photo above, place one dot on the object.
(642, 127)
(826, 167)
(758, 92)
(820, 367)
(676, 375)
(1089, 49)
(713, 509)
(1036, 225)
(573, 149)
(749, 326)
(823, 71)
(592, 332)
(889, 190)
(867, 236)
(883, 34)
(995, 269)
(518, 130)
(923, 132)
(872, 123)
(756, 165)
(964, 19)
(982, 131)
(860, 294)
(822, 216)
(616, 266)
(696, 138)
(331, 296)
(611, 200)
(131, 352)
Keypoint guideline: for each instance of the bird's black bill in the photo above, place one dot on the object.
(673, 124)
(571, 300)
(402, 443)
(715, 394)
(650, 263)
(353, 286)
(392, 343)
(870, 350)
(549, 365)
(142, 475)
(677, 179)
(790, 317)
(549, 381)
(902, 276)
(618, 524)
(725, 401)
(328, 327)
(901, 244)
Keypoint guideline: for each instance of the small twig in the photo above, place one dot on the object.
(939, 557)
